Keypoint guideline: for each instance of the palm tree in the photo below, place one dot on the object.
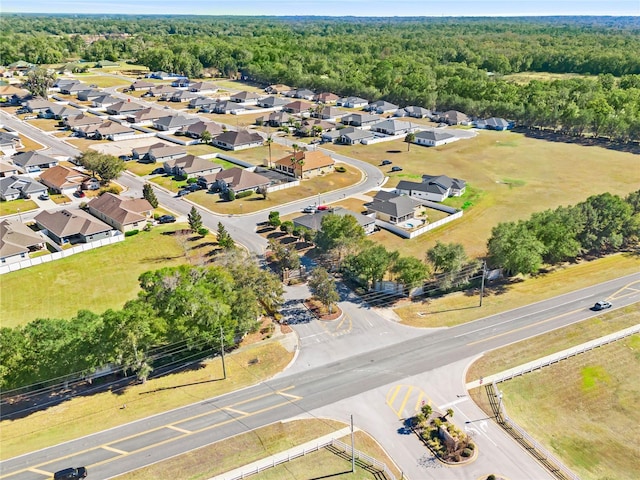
(205, 137)
(410, 138)
(269, 141)
(301, 163)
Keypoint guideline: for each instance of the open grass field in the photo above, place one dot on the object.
(237, 85)
(523, 78)
(458, 307)
(312, 189)
(45, 124)
(509, 177)
(17, 206)
(84, 415)
(96, 280)
(238, 121)
(247, 448)
(103, 81)
(585, 409)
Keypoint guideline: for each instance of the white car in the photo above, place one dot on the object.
(309, 209)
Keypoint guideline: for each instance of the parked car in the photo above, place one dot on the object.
(158, 171)
(193, 187)
(601, 305)
(396, 169)
(44, 196)
(70, 473)
(386, 162)
(183, 192)
(323, 207)
(79, 194)
(309, 209)
(166, 219)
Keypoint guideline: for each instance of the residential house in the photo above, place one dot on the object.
(277, 119)
(434, 138)
(247, 98)
(90, 94)
(314, 127)
(305, 164)
(9, 142)
(493, 123)
(180, 82)
(111, 130)
(171, 123)
(91, 184)
(298, 107)
(235, 178)
(149, 153)
(61, 179)
(202, 102)
(7, 169)
(203, 87)
(141, 85)
(326, 97)
(82, 121)
(380, 107)
(160, 75)
(13, 95)
(273, 102)
(432, 188)
(19, 186)
(121, 213)
(352, 102)
(414, 112)
(360, 119)
(33, 161)
(314, 221)
(124, 108)
(73, 88)
(392, 127)
(72, 226)
(224, 107)
(17, 241)
(104, 101)
(393, 208)
(238, 140)
(352, 135)
(61, 83)
(60, 112)
(278, 89)
(454, 117)
(146, 116)
(303, 93)
(328, 113)
(195, 130)
(38, 105)
(161, 91)
(182, 96)
(106, 63)
(190, 166)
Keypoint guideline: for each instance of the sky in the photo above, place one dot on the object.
(360, 8)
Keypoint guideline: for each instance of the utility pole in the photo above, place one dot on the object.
(224, 368)
(353, 450)
(484, 269)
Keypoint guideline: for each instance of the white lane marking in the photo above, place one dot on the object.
(514, 319)
(451, 404)
(313, 335)
(468, 427)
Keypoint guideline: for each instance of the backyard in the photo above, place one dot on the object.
(509, 175)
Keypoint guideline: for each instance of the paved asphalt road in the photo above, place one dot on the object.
(140, 443)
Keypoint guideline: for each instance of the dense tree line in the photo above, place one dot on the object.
(601, 224)
(436, 63)
(180, 309)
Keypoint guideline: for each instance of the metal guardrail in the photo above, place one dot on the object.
(561, 471)
(304, 451)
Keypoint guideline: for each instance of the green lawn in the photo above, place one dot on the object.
(260, 155)
(311, 189)
(103, 81)
(510, 177)
(169, 182)
(102, 278)
(140, 168)
(17, 206)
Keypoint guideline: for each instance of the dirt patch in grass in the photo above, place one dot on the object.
(461, 307)
(583, 409)
(84, 415)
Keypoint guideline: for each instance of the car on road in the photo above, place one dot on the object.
(601, 305)
(386, 162)
(309, 209)
(322, 207)
(70, 473)
(166, 219)
(396, 169)
(44, 196)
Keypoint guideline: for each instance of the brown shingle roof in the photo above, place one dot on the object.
(62, 177)
(312, 160)
(64, 223)
(123, 210)
(16, 237)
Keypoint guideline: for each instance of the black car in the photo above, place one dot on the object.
(166, 219)
(70, 474)
(386, 162)
(396, 169)
(183, 192)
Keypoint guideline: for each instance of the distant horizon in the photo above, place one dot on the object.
(335, 8)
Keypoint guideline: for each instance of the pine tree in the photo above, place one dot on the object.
(149, 195)
(195, 220)
(224, 239)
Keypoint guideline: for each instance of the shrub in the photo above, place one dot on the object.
(192, 180)
(147, 227)
(471, 446)
(203, 231)
(231, 195)
(246, 193)
(156, 216)
(467, 452)
(340, 169)
(131, 233)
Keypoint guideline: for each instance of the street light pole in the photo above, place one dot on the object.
(224, 368)
(353, 450)
(484, 269)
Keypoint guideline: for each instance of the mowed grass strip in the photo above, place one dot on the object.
(585, 409)
(510, 177)
(249, 447)
(85, 415)
(460, 307)
(96, 280)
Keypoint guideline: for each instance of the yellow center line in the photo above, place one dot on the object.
(178, 429)
(114, 450)
(288, 395)
(525, 327)
(628, 285)
(233, 410)
(41, 472)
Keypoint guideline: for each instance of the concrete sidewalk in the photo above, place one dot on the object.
(281, 457)
(554, 357)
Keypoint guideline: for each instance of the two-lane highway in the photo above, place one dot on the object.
(140, 443)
